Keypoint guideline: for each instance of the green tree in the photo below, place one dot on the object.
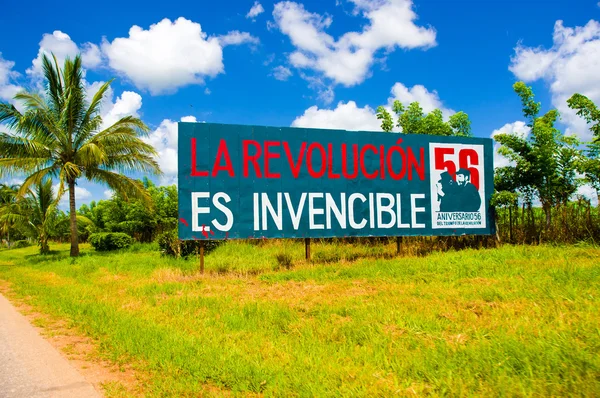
(42, 213)
(60, 135)
(412, 120)
(545, 161)
(460, 124)
(586, 108)
(387, 123)
(590, 166)
(36, 214)
(8, 203)
(590, 163)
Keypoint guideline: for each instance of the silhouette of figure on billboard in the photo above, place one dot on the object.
(446, 187)
(459, 195)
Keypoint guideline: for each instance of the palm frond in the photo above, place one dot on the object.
(74, 107)
(133, 162)
(127, 122)
(54, 88)
(9, 115)
(90, 155)
(12, 146)
(33, 179)
(92, 111)
(45, 195)
(32, 101)
(13, 166)
(128, 188)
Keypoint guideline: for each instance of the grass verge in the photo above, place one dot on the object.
(517, 321)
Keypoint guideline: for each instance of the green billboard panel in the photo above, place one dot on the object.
(239, 182)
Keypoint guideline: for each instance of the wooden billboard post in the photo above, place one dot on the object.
(307, 248)
(202, 257)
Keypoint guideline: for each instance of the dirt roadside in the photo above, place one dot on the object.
(44, 356)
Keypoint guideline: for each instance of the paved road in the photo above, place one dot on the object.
(30, 367)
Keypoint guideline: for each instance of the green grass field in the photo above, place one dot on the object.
(513, 321)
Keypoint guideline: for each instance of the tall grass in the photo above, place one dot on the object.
(577, 221)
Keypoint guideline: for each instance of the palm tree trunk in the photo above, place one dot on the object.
(73, 215)
(44, 247)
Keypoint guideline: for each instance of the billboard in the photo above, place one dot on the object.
(240, 182)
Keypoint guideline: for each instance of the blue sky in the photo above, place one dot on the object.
(302, 63)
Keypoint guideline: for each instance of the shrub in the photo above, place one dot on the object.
(170, 245)
(284, 260)
(21, 243)
(106, 241)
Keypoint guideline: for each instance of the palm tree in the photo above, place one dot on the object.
(60, 135)
(43, 206)
(35, 215)
(8, 200)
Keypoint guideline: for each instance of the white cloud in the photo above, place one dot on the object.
(348, 116)
(81, 195)
(281, 73)
(270, 58)
(347, 60)
(61, 45)
(129, 103)
(236, 37)
(324, 91)
(169, 55)
(7, 77)
(108, 193)
(255, 11)
(91, 56)
(517, 128)
(207, 91)
(571, 66)
(428, 100)
(164, 140)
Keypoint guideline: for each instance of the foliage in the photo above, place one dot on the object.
(590, 164)
(170, 245)
(135, 217)
(577, 221)
(586, 108)
(8, 204)
(505, 199)
(21, 243)
(60, 135)
(387, 123)
(35, 215)
(545, 161)
(107, 241)
(412, 120)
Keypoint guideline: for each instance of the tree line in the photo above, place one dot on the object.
(546, 167)
(60, 138)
